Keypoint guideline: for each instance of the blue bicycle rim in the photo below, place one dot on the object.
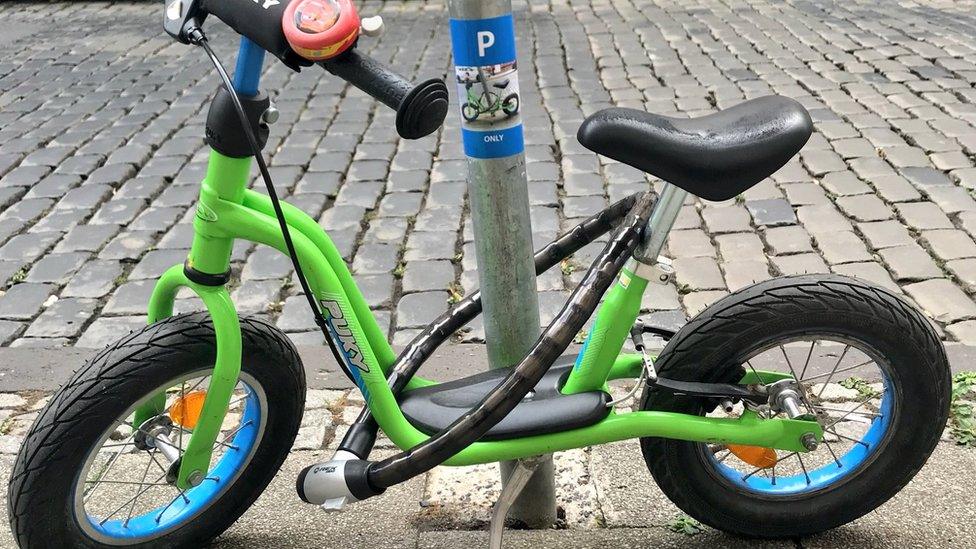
(197, 499)
(826, 475)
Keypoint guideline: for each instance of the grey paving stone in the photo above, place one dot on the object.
(57, 268)
(739, 274)
(23, 301)
(964, 271)
(296, 316)
(771, 213)
(128, 245)
(788, 240)
(871, 271)
(427, 275)
(741, 247)
(844, 183)
(29, 246)
(698, 273)
(375, 258)
(131, 298)
(429, 245)
(266, 263)
(419, 309)
(910, 262)
(377, 289)
(949, 244)
(822, 219)
(895, 188)
(690, 243)
(867, 207)
(726, 219)
(923, 215)
(885, 234)
(842, 247)
(105, 330)
(256, 296)
(942, 299)
(63, 318)
(8, 329)
(808, 263)
(156, 262)
(94, 280)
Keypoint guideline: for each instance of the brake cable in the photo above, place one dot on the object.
(196, 36)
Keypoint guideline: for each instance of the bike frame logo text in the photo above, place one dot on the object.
(340, 327)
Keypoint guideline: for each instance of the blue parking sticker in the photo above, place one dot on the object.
(486, 74)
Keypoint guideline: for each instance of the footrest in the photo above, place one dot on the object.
(542, 411)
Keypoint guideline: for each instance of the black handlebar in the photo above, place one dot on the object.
(420, 108)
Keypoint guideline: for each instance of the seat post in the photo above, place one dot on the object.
(662, 218)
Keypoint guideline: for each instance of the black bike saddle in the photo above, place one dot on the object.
(716, 156)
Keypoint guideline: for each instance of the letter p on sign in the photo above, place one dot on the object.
(486, 39)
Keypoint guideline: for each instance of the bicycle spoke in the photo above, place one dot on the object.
(851, 411)
(803, 395)
(759, 377)
(861, 413)
(110, 515)
(807, 363)
(832, 372)
(831, 450)
(836, 434)
(105, 470)
(161, 468)
(842, 370)
(803, 465)
(180, 494)
(757, 469)
(217, 442)
(132, 507)
(128, 482)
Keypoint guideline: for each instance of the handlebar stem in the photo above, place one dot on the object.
(247, 72)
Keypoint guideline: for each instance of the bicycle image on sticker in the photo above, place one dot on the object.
(489, 96)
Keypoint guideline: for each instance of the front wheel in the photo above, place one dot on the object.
(89, 476)
(469, 112)
(872, 370)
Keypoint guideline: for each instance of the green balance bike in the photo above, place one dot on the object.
(167, 436)
(487, 102)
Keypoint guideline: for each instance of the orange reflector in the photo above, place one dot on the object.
(186, 410)
(757, 456)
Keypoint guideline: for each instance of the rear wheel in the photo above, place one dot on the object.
(871, 369)
(510, 104)
(88, 476)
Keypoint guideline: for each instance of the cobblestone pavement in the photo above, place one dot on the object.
(101, 153)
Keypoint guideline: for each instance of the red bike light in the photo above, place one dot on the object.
(320, 29)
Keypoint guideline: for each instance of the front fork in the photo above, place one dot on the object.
(622, 305)
(195, 460)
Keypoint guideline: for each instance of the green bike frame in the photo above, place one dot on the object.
(228, 211)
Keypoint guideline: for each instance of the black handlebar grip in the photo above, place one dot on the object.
(420, 108)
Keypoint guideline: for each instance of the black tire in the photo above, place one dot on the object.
(42, 484)
(705, 350)
(510, 105)
(469, 112)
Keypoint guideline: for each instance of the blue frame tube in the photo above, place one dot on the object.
(247, 73)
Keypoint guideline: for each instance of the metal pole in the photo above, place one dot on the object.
(483, 40)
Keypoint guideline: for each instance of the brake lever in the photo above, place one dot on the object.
(180, 16)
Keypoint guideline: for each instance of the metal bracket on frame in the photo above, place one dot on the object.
(660, 272)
